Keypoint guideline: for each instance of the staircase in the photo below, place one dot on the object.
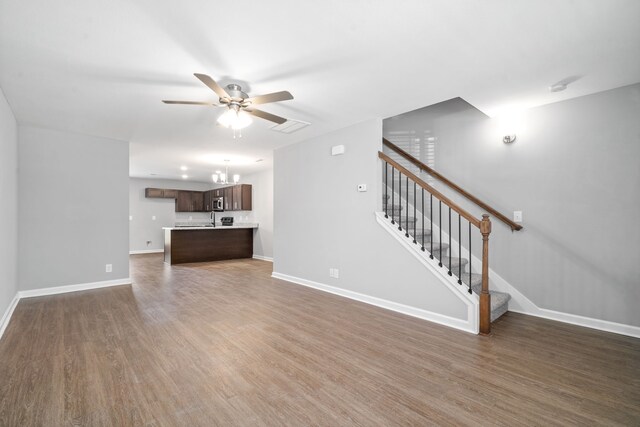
(441, 229)
(499, 301)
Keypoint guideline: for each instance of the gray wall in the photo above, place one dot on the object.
(8, 206)
(322, 222)
(73, 208)
(262, 213)
(143, 228)
(574, 173)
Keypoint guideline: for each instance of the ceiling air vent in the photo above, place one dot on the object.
(290, 126)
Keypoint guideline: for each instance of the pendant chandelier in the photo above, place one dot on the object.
(223, 177)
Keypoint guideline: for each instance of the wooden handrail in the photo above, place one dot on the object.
(447, 201)
(514, 226)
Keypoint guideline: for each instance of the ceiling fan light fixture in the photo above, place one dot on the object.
(235, 119)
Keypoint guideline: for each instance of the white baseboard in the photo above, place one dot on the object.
(73, 288)
(263, 258)
(587, 322)
(519, 303)
(8, 313)
(470, 300)
(55, 290)
(147, 251)
(441, 319)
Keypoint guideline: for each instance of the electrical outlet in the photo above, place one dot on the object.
(108, 268)
(517, 216)
(336, 273)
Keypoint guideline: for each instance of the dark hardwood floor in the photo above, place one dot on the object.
(223, 343)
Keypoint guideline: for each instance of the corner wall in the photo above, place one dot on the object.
(321, 221)
(8, 209)
(73, 207)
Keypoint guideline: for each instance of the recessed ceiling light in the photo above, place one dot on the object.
(259, 160)
(218, 171)
(185, 176)
(183, 168)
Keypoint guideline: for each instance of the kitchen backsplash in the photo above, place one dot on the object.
(205, 217)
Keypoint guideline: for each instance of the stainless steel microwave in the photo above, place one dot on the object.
(218, 204)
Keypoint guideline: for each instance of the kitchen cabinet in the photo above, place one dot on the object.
(228, 198)
(170, 194)
(236, 198)
(160, 193)
(189, 201)
(207, 201)
(153, 192)
(241, 197)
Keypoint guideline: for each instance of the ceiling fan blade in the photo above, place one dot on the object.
(212, 85)
(271, 97)
(267, 116)
(190, 103)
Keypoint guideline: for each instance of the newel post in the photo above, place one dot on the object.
(485, 298)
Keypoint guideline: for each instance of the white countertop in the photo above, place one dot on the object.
(217, 227)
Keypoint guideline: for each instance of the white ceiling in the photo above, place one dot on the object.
(102, 67)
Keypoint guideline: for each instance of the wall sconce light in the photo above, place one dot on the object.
(509, 123)
(508, 139)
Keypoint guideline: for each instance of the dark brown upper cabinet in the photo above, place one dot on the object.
(208, 200)
(236, 198)
(160, 193)
(170, 194)
(228, 198)
(241, 197)
(190, 201)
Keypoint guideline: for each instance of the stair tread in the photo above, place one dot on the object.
(498, 299)
(455, 261)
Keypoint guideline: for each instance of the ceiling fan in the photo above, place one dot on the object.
(239, 104)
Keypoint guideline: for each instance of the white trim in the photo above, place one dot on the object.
(8, 313)
(441, 319)
(521, 304)
(146, 251)
(587, 322)
(73, 288)
(471, 300)
(263, 258)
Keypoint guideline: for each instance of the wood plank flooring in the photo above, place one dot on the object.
(223, 343)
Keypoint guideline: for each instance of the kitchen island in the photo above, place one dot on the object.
(208, 243)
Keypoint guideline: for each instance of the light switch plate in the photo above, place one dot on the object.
(517, 216)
